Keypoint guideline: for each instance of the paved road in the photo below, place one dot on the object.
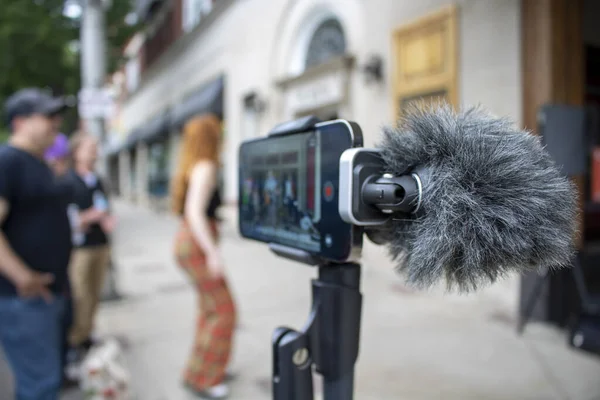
(414, 346)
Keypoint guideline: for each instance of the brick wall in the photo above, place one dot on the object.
(166, 33)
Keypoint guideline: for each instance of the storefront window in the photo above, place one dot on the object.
(158, 173)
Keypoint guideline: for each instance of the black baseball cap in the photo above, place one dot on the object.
(31, 101)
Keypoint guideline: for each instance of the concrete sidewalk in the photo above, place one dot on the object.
(414, 346)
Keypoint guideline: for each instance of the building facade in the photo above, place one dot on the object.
(261, 62)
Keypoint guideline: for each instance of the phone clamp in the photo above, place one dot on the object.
(295, 126)
(369, 196)
(329, 342)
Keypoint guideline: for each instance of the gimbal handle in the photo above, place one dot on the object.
(329, 341)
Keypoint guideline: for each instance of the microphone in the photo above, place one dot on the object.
(491, 200)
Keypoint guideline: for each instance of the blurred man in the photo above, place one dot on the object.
(35, 246)
(91, 256)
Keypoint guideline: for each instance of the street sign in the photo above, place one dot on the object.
(95, 103)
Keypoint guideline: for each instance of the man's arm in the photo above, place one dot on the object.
(90, 216)
(28, 282)
(11, 265)
(109, 221)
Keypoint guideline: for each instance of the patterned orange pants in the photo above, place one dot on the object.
(216, 318)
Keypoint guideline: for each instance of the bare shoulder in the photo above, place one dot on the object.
(202, 183)
(204, 168)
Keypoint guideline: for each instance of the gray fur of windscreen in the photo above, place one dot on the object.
(493, 202)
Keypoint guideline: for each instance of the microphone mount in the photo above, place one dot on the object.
(370, 197)
(392, 195)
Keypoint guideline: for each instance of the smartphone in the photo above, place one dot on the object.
(289, 190)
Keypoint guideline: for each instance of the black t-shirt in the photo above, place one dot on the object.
(37, 227)
(83, 198)
(213, 206)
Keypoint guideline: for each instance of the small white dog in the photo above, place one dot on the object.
(103, 375)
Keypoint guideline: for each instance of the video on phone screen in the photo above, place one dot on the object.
(281, 190)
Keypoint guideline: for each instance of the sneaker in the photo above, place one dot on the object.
(68, 383)
(89, 343)
(219, 391)
(75, 357)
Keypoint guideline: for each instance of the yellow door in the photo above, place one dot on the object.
(425, 60)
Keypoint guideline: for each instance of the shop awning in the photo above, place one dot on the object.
(113, 147)
(132, 139)
(208, 99)
(156, 128)
(152, 131)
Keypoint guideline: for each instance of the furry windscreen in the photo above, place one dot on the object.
(493, 200)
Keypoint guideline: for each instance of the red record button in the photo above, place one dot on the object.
(328, 191)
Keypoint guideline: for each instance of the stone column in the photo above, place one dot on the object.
(174, 147)
(124, 174)
(141, 189)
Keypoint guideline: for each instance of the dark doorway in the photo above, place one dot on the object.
(561, 66)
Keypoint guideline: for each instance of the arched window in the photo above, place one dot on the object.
(327, 42)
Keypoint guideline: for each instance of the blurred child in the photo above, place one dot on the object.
(91, 255)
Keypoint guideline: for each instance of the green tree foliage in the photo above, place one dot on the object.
(34, 38)
(118, 32)
(39, 46)
(3, 136)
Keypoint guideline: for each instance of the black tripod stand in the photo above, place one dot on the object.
(329, 340)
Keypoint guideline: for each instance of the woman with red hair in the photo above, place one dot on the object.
(196, 198)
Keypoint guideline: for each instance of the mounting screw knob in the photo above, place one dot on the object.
(300, 357)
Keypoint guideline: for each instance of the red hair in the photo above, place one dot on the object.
(201, 141)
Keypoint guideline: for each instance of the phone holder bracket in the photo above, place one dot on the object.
(298, 125)
(295, 254)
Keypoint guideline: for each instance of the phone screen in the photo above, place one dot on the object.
(288, 190)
